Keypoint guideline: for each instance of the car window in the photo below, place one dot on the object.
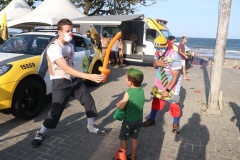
(151, 34)
(79, 44)
(27, 44)
(89, 45)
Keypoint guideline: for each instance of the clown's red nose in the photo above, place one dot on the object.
(157, 53)
(71, 34)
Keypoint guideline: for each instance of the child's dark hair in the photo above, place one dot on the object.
(171, 38)
(64, 22)
(135, 76)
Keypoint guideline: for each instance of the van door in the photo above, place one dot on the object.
(132, 33)
(148, 49)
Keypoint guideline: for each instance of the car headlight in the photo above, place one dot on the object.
(5, 68)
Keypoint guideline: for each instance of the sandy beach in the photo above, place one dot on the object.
(229, 62)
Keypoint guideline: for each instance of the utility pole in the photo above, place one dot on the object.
(216, 76)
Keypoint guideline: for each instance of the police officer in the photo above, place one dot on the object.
(90, 38)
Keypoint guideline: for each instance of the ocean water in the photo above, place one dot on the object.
(206, 47)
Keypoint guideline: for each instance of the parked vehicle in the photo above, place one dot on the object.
(145, 29)
(24, 76)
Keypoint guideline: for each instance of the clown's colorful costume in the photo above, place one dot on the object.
(174, 64)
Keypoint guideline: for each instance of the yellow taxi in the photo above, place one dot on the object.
(24, 76)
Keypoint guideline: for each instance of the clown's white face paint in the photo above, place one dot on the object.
(65, 34)
(67, 37)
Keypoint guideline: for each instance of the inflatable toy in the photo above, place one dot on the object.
(104, 69)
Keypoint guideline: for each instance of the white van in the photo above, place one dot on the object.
(145, 29)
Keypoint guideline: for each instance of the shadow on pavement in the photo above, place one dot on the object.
(16, 136)
(110, 108)
(128, 63)
(151, 138)
(194, 139)
(112, 76)
(70, 141)
(67, 141)
(182, 99)
(207, 81)
(236, 111)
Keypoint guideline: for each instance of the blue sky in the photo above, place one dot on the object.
(192, 18)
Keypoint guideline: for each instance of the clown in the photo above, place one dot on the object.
(167, 83)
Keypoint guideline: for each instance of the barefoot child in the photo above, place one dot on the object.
(132, 102)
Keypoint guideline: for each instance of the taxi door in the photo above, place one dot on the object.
(81, 52)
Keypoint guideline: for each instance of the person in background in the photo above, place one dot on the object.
(9, 36)
(120, 51)
(16, 45)
(90, 38)
(98, 43)
(133, 37)
(171, 40)
(183, 56)
(115, 54)
(133, 101)
(105, 43)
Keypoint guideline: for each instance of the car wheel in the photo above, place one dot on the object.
(28, 99)
(95, 71)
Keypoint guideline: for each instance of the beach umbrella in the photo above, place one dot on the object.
(4, 26)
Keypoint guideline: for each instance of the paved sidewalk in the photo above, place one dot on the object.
(202, 136)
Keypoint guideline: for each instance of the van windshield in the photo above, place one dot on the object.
(166, 33)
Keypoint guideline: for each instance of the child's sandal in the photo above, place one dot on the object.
(129, 157)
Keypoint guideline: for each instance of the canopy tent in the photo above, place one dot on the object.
(107, 20)
(49, 12)
(15, 9)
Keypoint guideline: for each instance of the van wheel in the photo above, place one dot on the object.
(28, 99)
(95, 71)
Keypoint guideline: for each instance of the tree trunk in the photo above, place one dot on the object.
(216, 76)
(87, 7)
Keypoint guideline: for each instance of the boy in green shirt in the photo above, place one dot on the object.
(132, 102)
